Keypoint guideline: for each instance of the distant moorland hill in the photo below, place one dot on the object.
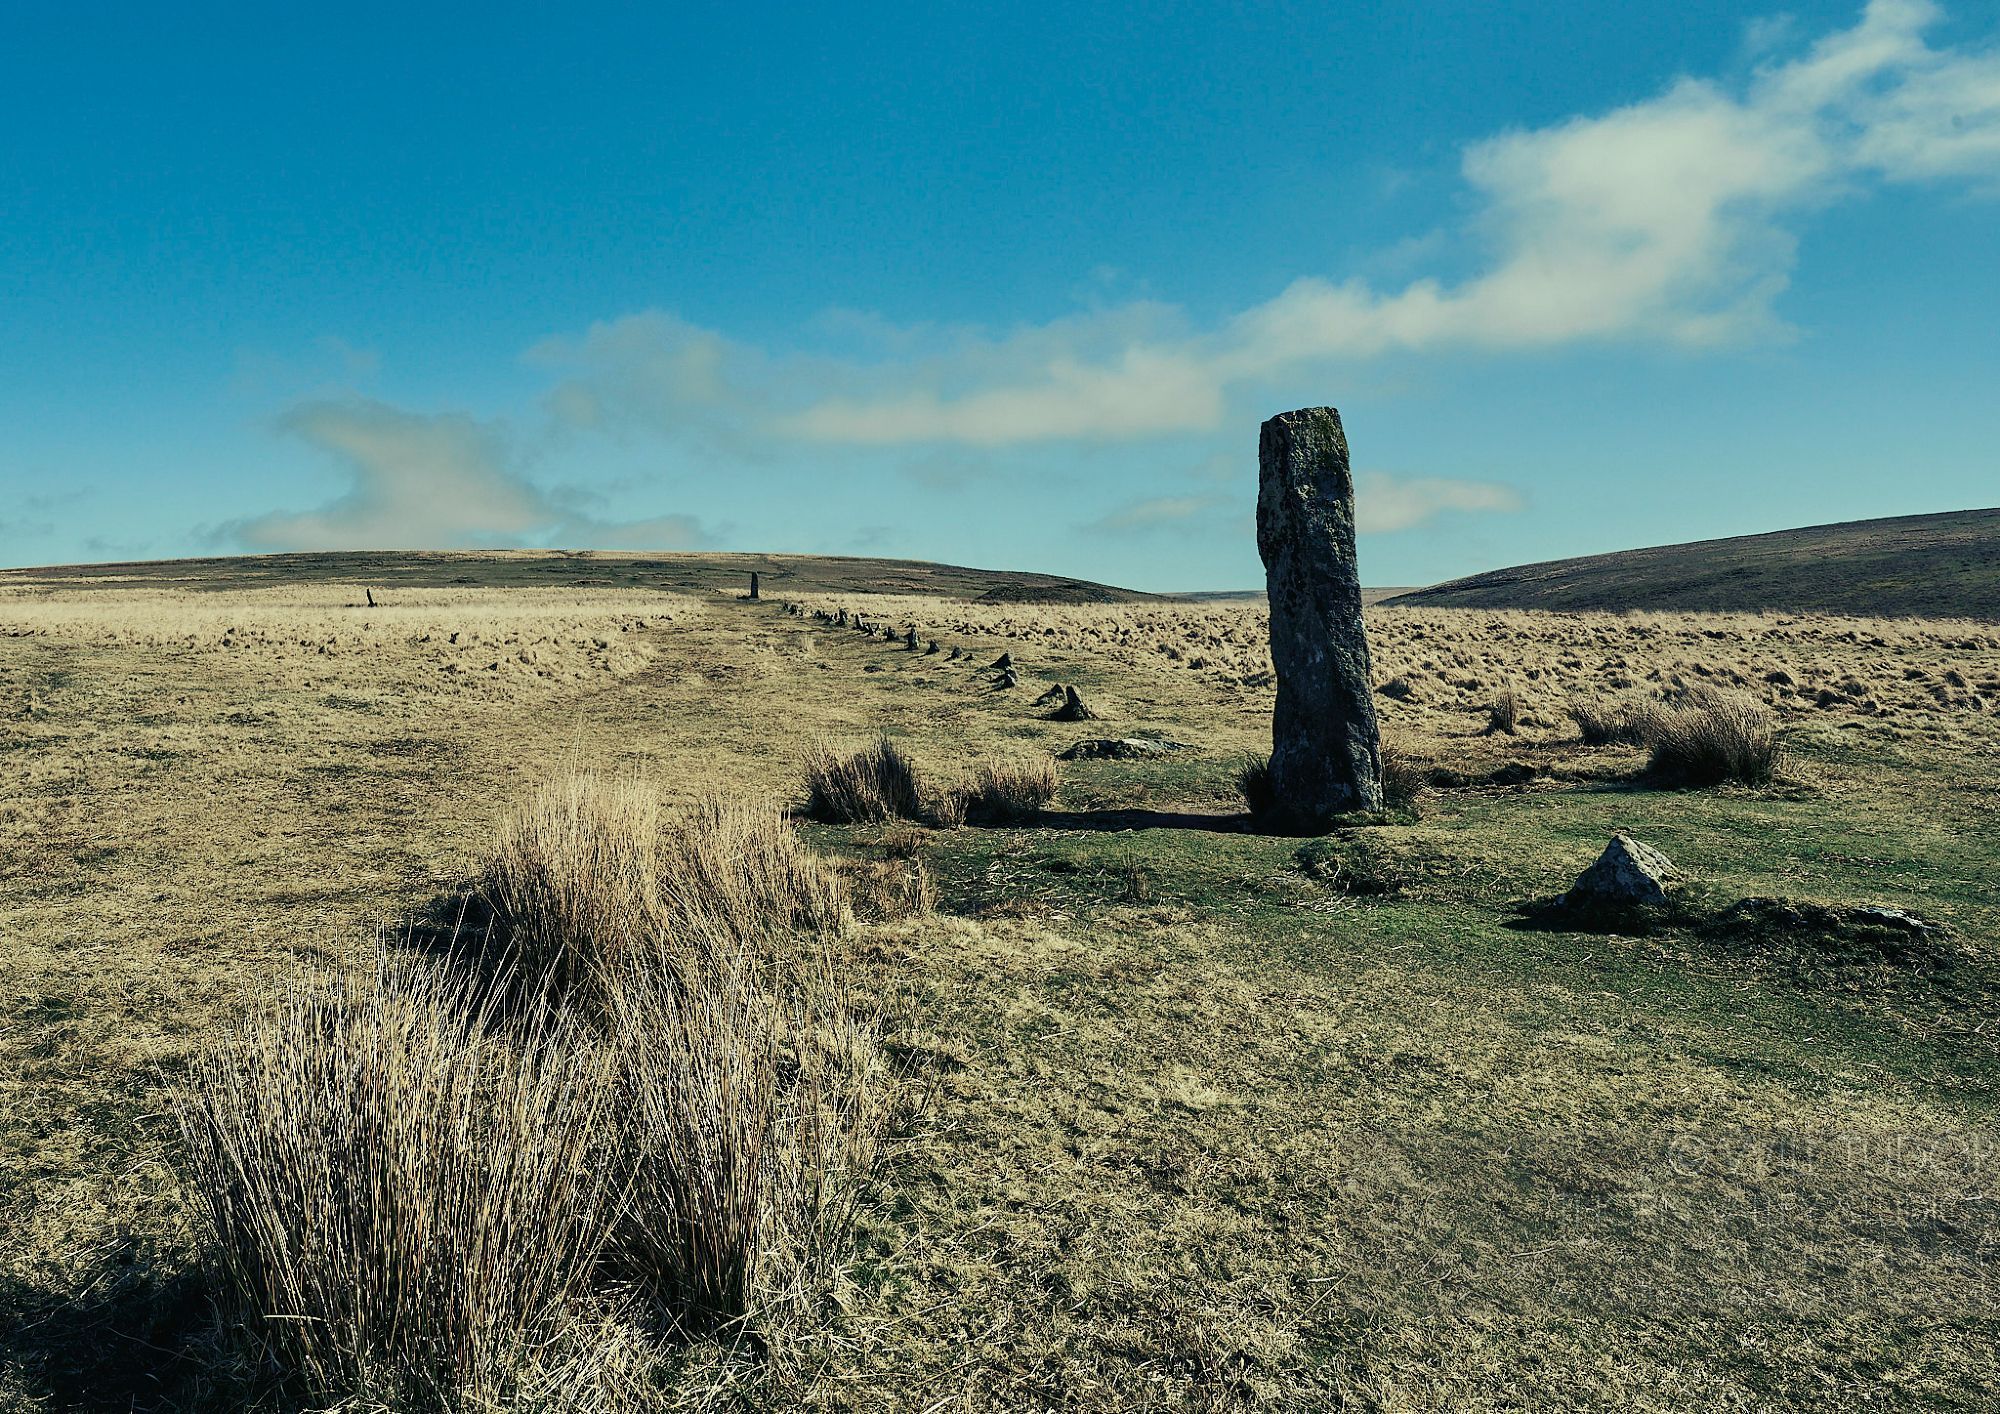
(581, 569)
(1928, 566)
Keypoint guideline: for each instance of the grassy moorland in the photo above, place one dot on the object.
(1203, 1124)
(1940, 565)
(363, 570)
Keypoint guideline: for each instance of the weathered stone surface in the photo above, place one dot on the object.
(1051, 697)
(1008, 679)
(1325, 748)
(1127, 748)
(1629, 874)
(1073, 708)
(755, 586)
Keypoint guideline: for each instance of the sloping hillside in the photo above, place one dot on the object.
(1930, 566)
(686, 572)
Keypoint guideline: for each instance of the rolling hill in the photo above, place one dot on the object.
(579, 569)
(1927, 566)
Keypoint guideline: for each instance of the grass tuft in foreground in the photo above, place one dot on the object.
(751, 1113)
(1626, 723)
(400, 1205)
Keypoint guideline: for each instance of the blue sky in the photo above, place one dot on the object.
(1009, 286)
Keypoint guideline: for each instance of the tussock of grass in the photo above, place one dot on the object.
(1253, 783)
(1711, 738)
(878, 782)
(751, 1111)
(592, 873)
(400, 1205)
(1626, 723)
(1405, 779)
(1004, 792)
(1504, 713)
(574, 881)
(409, 1190)
(743, 870)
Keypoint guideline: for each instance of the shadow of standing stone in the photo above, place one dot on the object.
(1325, 748)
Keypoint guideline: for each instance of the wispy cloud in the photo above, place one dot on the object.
(434, 481)
(1672, 220)
(1157, 513)
(1384, 503)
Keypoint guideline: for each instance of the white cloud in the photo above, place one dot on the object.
(1672, 219)
(1384, 503)
(1145, 392)
(1158, 513)
(433, 481)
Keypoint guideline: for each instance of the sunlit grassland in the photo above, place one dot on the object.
(1203, 1131)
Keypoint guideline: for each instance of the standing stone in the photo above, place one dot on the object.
(1326, 757)
(753, 584)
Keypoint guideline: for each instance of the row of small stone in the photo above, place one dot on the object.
(1068, 704)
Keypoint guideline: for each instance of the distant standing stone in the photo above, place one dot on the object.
(753, 584)
(1325, 749)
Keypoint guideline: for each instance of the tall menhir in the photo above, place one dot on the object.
(1326, 755)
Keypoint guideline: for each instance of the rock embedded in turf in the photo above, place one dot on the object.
(1325, 747)
(1073, 708)
(1128, 748)
(1629, 874)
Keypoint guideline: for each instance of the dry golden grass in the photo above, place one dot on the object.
(877, 782)
(1008, 792)
(752, 1110)
(593, 876)
(402, 1205)
(1448, 664)
(575, 888)
(1211, 1131)
(417, 1188)
(1710, 737)
(455, 641)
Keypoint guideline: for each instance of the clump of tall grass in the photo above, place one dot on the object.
(1405, 778)
(1253, 783)
(411, 1179)
(1711, 737)
(743, 868)
(1007, 792)
(751, 1110)
(1503, 716)
(878, 782)
(591, 874)
(747, 1107)
(574, 881)
(1626, 723)
(401, 1204)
